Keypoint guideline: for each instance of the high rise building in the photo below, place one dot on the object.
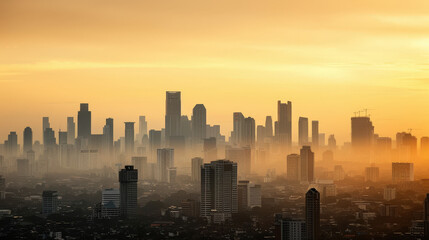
(154, 142)
(284, 119)
(293, 167)
(243, 195)
(362, 134)
(219, 197)
(129, 137)
(110, 203)
(199, 123)
(173, 112)
(108, 134)
(372, 174)
(302, 131)
(165, 161)
(238, 128)
(249, 132)
(210, 149)
(12, 144)
(260, 133)
(45, 123)
(242, 156)
(142, 128)
(406, 146)
(312, 214)
(196, 164)
(2, 188)
(172, 174)
(50, 202)
(315, 134)
(28, 139)
(389, 193)
(307, 165)
(71, 130)
(128, 178)
(402, 172)
(268, 126)
(332, 143)
(140, 163)
(339, 173)
(291, 229)
(84, 121)
(424, 147)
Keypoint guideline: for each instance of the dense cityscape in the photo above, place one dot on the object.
(188, 181)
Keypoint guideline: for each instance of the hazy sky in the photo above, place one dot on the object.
(330, 58)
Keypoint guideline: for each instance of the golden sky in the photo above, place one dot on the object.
(330, 58)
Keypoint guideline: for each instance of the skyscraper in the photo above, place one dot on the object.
(110, 203)
(12, 144)
(173, 112)
(293, 167)
(362, 135)
(268, 126)
(219, 197)
(140, 163)
(210, 149)
(199, 123)
(108, 134)
(312, 214)
(249, 132)
(142, 128)
(71, 130)
(196, 164)
(84, 121)
(241, 156)
(154, 142)
(332, 143)
(128, 178)
(238, 128)
(284, 119)
(28, 139)
(129, 137)
(307, 164)
(402, 172)
(302, 131)
(315, 134)
(46, 123)
(165, 161)
(50, 202)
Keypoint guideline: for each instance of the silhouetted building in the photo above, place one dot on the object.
(110, 203)
(196, 164)
(315, 134)
(11, 144)
(140, 163)
(242, 156)
(71, 130)
(28, 139)
(84, 121)
(219, 197)
(210, 149)
(372, 174)
(249, 132)
(302, 131)
(293, 167)
(142, 128)
(129, 137)
(402, 172)
(332, 143)
(362, 135)
(312, 214)
(45, 123)
(128, 178)
(291, 229)
(268, 126)
(284, 119)
(389, 193)
(307, 165)
(238, 128)
(424, 147)
(108, 134)
(50, 202)
(199, 123)
(406, 145)
(190, 208)
(173, 112)
(165, 161)
(154, 142)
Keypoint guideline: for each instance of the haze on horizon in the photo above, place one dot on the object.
(330, 59)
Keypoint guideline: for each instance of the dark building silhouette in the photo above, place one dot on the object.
(28, 139)
(128, 178)
(312, 214)
(268, 126)
(307, 165)
(249, 132)
(45, 123)
(210, 149)
(11, 144)
(302, 131)
(199, 123)
(293, 167)
(84, 121)
(315, 134)
(129, 137)
(173, 113)
(71, 130)
(242, 156)
(284, 120)
(362, 135)
(50, 202)
(154, 142)
(108, 133)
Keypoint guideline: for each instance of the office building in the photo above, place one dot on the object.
(110, 203)
(315, 134)
(173, 112)
(172, 174)
(28, 139)
(372, 174)
(291, 229)
(242, 156)
(165, 161)
(210, 149)
(128, 178)
(140, 163)
(293, 167)
(142, 128)
(302, 131)
(402, 172)
(389, 193)
(84, 121)
(268, 126)
(219, 197)
(284, 120)
(312, 214)
(50, 202)
(71, 130)
(45, 123)
(332, 143)
(196, 164)
(12, 144)
(154, 142)
(129, 137)
(199, 123)
(307, 165)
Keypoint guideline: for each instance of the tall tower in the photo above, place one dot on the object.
(12, 144)
(268, 126)
(142, 128)
(199, 123)
(173, 112)
(362, 134)
(219, 194)
(28, 140)
(71, 130)
(46, 123)
(108, 133)
(293, 167)
(238, 128)
(307, 164)
(249, 132)
(128, 178)
(165, 160)
(129, 137)
(196, 164)
(84, 121)
(312, 214)
(302, 131)
(284, 119)
(315, 134)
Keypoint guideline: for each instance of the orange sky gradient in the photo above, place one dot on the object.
(330, 58)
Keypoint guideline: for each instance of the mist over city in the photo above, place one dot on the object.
(186, 119)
